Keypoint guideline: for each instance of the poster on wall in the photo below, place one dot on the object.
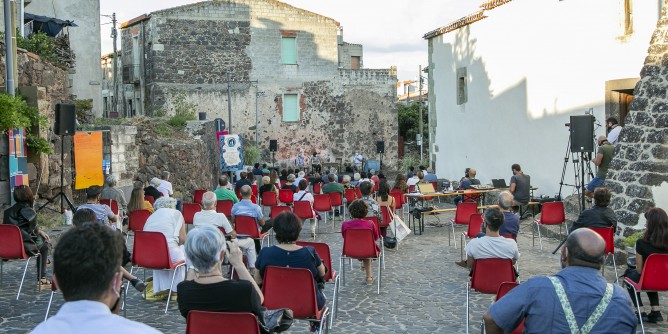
(88, 159)
(231, 154)
(18, 160)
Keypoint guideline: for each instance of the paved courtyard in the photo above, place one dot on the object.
(423, 290)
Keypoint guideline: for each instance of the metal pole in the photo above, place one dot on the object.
(21, 13)
(420, 108)
(229, 101)
(9, 49)
(114, 34)
(257, 95)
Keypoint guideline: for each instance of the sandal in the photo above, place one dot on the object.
(369, 280)
(44, 281)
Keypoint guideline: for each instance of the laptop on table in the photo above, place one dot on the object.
(499, 183)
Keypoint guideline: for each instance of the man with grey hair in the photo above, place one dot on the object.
(223, 193)
(166, 189)
(209, 216)
(111, 192)
(492, 245)
(246, 207)
(511, 221)
(430, 176)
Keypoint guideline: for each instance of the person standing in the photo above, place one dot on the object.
(602, 160)
(614, 129)
(520, 185)
(358, 160)
(593, 305)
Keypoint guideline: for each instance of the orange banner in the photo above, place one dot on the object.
(88, 159)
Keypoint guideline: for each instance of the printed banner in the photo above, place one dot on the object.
(88, 159)
(231, 154)
(18, 160)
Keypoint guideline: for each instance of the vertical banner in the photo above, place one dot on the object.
(18, 160)
(88, 159)
(231, 154)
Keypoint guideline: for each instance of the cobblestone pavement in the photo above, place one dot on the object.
(423, 291)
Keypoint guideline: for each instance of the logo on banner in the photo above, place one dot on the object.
(231, 154)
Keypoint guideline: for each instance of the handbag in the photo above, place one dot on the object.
(276, 321)
(398, 227)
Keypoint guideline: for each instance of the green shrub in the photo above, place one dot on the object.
(630, 241)
(251, 153)
(16, 113)
(410, 160)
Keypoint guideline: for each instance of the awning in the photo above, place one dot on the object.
(48, 25)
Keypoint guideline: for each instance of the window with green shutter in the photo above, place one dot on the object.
(290, 108)
(289, 50)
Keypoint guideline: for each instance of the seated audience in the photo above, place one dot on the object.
(267, 186)
(374, 208)
(209, 216)
(430, 176)
(103, 211)
(356, 180)
(358, 210)
(167, 190)
(511, 221)
(413, 180)
(300, 176)
(246, 207)
(273, 176)
(168, 221)
(492, 245)
(86, 267)
(287, 227)
(347, 184)
(284, 175)
(205, 288)
(245, 180)
(333, 187)
(222, 193)
(303, 195)
(384, 199)
(411, 172)
(265, 169)
(137, 201)
(654, 241)
(537, 303)
(290, 183)
(400, 184)
(599, 215)
(152, 189)
(115, 194)
(466, 182)
(35, 241)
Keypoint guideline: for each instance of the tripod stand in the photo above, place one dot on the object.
(62, 177)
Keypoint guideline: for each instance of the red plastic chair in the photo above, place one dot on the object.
(462, 217)
(337, 201)
(189, 211)
(255, 192)
(111, 204)
(136, 221)
(317, 188)
(202, 322)
(652, 278)
(331, 276)
(248, 225)
(293, 288)
(286, 196)
(150, 251)
(322, 203)
(197, 195)
(608, 234)
(487, 277)
(504, 288)
(411, 188)
(283, 182)
(275, 210)
(269, 198)
(54, 288)
(224, 207)
(303, 210)
(358, 192)
(551, 214)
(11, 248)
(375, 222)
(349, 195)
(474, 227)
(359, 244)
(150, 199)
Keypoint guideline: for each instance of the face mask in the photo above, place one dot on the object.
(113, 307)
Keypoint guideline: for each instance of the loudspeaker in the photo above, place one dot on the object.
(582, 133)
(273, 145)
(380, 146)
(65, 120)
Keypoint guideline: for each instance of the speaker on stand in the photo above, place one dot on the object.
(380, 149)
(273, 147)
(65, 125)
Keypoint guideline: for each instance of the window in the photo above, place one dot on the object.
(355, 62)
(462, 93)
(290, 107)
(289, 50)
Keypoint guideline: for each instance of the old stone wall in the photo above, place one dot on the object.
(43, 85)
(639, 171)
(124, 154)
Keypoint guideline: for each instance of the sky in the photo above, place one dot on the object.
(390, 30)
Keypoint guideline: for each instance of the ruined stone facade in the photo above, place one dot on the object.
(187, 51)
(639, 172)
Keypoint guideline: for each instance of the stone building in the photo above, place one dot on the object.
(503, 82)
(286, 66)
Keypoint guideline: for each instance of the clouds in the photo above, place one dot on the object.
(390, 30)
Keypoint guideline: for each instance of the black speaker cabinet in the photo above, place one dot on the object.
(582, 133)
(65, 120)
(273, 145)
(380, 146)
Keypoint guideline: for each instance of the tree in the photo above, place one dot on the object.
(409, 120)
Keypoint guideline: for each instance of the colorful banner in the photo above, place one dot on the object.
(231, 154)
(88, 159)
(18, 160)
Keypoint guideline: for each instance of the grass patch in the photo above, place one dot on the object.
(47, 220)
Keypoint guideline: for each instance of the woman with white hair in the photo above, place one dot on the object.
(168, 221)
(111, 192)
(356, 180)
(205, 288)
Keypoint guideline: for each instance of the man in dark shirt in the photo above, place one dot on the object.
(245, 180)
(603, 157)
(600, 215)
(466, 182)
(520, 185)
(152, 189)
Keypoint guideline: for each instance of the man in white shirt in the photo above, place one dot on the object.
(166, 189)
(86, 268)
(492, 245)
(209, 216)
(614, 129)
(300, 176)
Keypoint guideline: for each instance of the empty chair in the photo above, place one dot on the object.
(360, 244)
(275, 210)
(322, 203)
(487, 277)
(551, 214)
(462, 217)
(202, 322)
(331, 276)
(189, 211)
(11, 248)
(293, 288)
(349, 195)
(197, 195)
(136, 221)
(150, 251)
(224, 207)
(317, 188)
(337, 202)
(474, 228)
